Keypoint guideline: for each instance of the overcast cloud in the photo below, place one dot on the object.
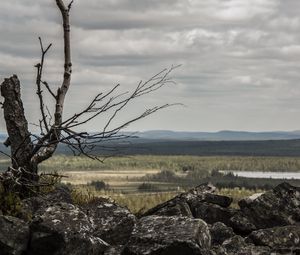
(240, 58)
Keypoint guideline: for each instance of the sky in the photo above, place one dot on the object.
(239, 59)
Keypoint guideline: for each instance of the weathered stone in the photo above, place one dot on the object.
(63, 229)
(112, 223)
(219, 233)
(32, 204)
(277, 207)
(14, 236)
(278, 237)
(163, 235)
(220, 200)
(248, 200)
(185, 203)
(212, 213)
(114, 250)
(237, 246)
(204, 193)
(173, 207)
(241, 224)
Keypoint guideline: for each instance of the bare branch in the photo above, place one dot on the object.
(70, 5)
(39, 92)
(49, 90)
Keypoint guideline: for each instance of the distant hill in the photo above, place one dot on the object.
(199, 143)
(225, 135)
(219, 136)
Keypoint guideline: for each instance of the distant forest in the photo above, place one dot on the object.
(200, 148)
(196, 148)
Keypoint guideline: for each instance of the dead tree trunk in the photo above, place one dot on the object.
(16, 125)
(29, 150)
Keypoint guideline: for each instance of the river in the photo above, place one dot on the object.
(261, 174)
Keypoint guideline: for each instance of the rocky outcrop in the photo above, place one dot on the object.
(195, 222)
(63, 229)
(155, 235)
(212, 213)
(112, 223)
(237, 245)
(278, 237)
(219, 233)
(14, 236)
(277, 207)
(31, 205)
(194, 204)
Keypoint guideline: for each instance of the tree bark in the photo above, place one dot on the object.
(17, 125)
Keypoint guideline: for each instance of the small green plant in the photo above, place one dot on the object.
(10, 203)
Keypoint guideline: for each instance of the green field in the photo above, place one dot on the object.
(167, 173)
(175, 163)
(141, 182)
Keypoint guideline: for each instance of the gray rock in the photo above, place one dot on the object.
(186, 203)
(205, 193)
(278, 237)
(277, 207)
(14, 236)
(248, 200)
(32, 204)
(237, 246)
(220, 200)
(212, 213)
(163, 235)
(219, 233)
(112, 223)
(241, 224)
(174, 207)
(63, 229)
(114, 250)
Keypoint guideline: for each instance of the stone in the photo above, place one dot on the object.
(63, 229)
(14, 236)
(241, 224)
(112, 223)
(212, 213)
(277, 207)
(164, 235)
(220, 200)
(114, 250)
(186, 203)
(219, 232)
(30, 205)
(173, 207)
(277, 237)
(238, 246)
(248, 200)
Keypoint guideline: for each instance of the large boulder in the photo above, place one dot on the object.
(277, 207)
(114, 250)
(287, 237)
(30, 205)
(219, 233)
(63, 229)
(212, 213)
(186, 204)
(161, 235)
(174, 207)
(241, 224)
(14, 236)
(237, 245)
(112, 223)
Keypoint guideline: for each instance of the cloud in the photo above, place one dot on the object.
(240, 58)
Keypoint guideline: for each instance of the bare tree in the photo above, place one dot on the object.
(29, 150)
